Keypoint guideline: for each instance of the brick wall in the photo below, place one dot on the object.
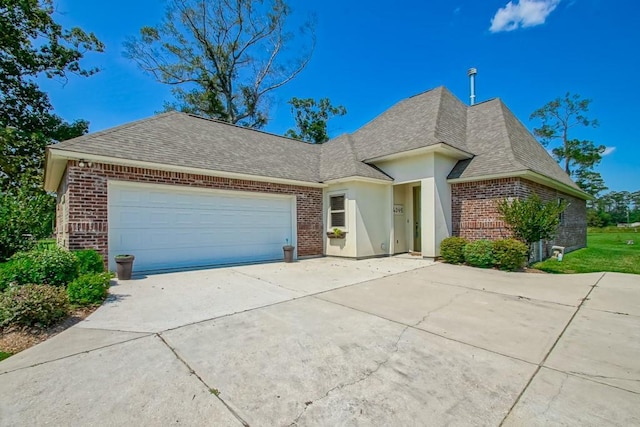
(83, 223)
(474, 215)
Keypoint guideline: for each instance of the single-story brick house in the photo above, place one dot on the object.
(178, 190)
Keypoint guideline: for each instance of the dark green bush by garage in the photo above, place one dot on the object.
(89, 289)
(52, 266)
(479, 254)
(33, 305)
(89, 261)
(452, 250)
(510, 254)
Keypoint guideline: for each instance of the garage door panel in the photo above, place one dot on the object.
(173, 228)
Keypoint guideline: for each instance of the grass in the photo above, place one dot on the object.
(4, 355)
(606, 250)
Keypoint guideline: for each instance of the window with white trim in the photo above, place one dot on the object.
(337, 213)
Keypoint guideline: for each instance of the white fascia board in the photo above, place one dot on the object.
(436, 148)
(72, 155)
(358, 178)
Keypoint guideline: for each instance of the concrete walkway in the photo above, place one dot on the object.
(394, 341)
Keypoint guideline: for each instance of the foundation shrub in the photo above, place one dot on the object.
(479, 254)
(510, 254)
(452, 250)
(89, 289)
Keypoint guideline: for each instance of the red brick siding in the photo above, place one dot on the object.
(474, 214)
(87, 225)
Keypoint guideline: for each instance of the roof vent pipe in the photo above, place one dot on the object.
(472, 77)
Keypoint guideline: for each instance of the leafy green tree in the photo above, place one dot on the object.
(32, 44)
(25, 216)
(530, 219)
(311, 119)
(222, 57)
(558, 118)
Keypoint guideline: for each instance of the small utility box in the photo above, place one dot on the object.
(558, 252)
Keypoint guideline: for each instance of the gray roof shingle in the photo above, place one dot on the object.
(500, 143)
(338, 160)
(503, 145)
(422, 120)
(181, 139)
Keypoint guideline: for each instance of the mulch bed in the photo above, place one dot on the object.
(14, 340)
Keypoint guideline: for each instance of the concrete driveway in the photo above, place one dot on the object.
(394, 341)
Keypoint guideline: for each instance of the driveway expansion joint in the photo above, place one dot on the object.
(79, 353)
(511, 296)
(195, 374)
(544, 360)
(414, 327)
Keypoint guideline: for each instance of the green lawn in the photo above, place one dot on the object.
(605, 251)
(4, 355)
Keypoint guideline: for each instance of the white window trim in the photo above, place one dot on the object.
(330, 226)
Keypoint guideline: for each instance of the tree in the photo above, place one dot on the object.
(558, 118)
(222, 57)
(592, 183)
(531, 220)
(311, 119)
(25, 216)
(32, 44)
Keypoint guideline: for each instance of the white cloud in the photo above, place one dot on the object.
(608, 151)
(522, 14)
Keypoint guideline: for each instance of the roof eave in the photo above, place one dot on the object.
(531, 176)
(57, 159)
(54, 170)
(440, 147)
(358, 178)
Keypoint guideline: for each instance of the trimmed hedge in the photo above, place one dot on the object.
(452, 250)
(510, 254)
(89, 289)
(89, 261)
(33, 305)
(479, 254)
(55, 266)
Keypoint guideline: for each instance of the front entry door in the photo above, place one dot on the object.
(417, 230)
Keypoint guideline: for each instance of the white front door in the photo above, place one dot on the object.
(168, 227)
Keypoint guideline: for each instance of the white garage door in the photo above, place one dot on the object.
(175, 227)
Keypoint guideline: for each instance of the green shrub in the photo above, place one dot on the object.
(479, 254)
(510, 254)
(89, 261)
(46, 244)
(54, 266)
(14, 272)
(452, 250)
(33, 305)
(89, 289)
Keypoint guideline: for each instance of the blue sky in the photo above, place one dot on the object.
(372, 54)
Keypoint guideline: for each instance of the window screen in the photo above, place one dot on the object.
(337, 211)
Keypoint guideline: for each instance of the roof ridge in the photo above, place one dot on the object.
(508, 141)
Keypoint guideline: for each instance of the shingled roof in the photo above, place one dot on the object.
(502, 145)
(430, 118)
(180, 139)
(497, 142)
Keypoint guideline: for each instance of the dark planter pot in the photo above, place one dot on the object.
(124, 266)
(288, 253)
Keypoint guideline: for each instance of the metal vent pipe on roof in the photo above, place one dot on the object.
(472, 77)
